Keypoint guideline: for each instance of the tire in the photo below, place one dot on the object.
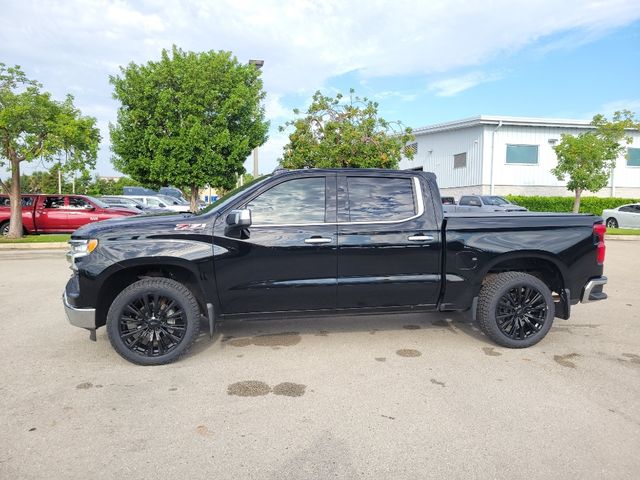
(144, 339)
(515, 309)
(612, 223)
(4, 229)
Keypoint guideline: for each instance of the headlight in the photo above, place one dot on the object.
(80, 248)
(83, 247)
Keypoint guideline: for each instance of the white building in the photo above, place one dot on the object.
(510, 155)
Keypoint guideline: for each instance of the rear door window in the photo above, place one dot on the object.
(375, 199)
(54, 202)
(79, 203)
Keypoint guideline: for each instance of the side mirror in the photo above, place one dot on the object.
(239, 218)
(89, 208)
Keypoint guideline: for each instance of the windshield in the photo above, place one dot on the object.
(492, 200)
(99, 202)
(231, 196)
(169, 200)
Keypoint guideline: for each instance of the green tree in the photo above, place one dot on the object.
(586, 160)
(35, 126)
(188, 120)
(338, 133)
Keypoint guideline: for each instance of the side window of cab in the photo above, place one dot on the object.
(292, 202)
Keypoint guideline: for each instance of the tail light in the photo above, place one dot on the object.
(599, 229)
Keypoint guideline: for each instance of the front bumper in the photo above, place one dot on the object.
(79, 317)
(593, 290)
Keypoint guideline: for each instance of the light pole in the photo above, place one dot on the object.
(258, 64)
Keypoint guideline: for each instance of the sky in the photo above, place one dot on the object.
(424, 62)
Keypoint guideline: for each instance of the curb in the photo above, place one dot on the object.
(622, 238)
(34, 246)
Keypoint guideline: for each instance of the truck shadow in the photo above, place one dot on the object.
(287, 332)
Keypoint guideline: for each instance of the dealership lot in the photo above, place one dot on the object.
(409, 396)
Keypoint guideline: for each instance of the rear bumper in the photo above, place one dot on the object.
(593, 290)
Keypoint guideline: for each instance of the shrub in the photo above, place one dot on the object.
(593, 205)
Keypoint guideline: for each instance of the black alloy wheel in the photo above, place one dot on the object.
(515, 309)
(152, 325)
(4, 229)
(521, 312)
(153, 321)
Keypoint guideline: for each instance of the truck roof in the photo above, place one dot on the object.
(281, 171)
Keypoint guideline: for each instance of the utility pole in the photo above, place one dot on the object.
(258, 64)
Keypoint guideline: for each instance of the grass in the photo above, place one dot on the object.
(623, 231)
(37, 238)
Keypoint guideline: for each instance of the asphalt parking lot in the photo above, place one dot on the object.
(382, 397)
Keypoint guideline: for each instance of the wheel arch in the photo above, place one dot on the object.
(543, 265)
(125, 273)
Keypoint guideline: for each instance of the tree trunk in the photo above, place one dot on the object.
(194, 198)
(576, 201)
(15, 228)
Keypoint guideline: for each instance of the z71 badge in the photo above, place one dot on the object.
(190, 226)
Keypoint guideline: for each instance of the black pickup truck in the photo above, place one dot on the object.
(310, 242)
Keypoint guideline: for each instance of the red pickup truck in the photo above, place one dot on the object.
(58, 213)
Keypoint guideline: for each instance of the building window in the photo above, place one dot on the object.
(460, 160)
(411, 148)
(633, 157)
(522, 154)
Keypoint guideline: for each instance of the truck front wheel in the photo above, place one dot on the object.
(153, 321)
(515, 309)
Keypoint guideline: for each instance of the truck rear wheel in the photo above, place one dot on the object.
(515, 309)
(153, 321)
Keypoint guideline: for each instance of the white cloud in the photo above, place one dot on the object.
(609, 108)
(304, 43)
(275, 110)
(449, 87)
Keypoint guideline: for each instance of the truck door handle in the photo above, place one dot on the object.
(420, 238)
(317, 240)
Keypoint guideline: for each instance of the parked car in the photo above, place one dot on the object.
(485, 204)
(175, 204)
(173, 192)
(311, 242)
(158, 201)
(59, 213)
(138, 191)
(116, 201)
(625, 216)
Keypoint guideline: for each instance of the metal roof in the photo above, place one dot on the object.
(496, 119)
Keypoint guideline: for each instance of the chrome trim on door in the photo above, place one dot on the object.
(317, 240)
(420, 238)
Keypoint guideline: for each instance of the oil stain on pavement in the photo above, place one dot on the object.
(284, 339)
(565, 360)
(633, 358)
(408, 352)
(248, 388)
(490, 351)
(255, 388)
(289, 389)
